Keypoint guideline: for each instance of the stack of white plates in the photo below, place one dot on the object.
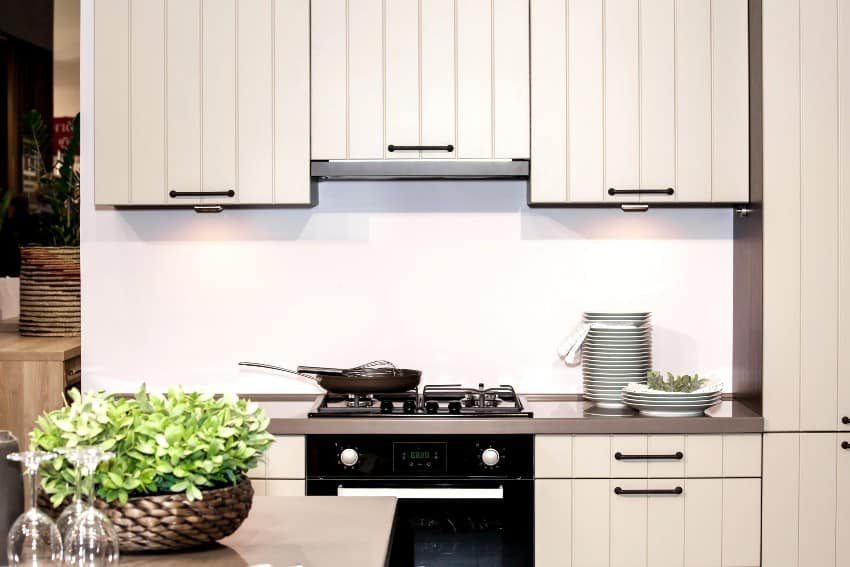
(616, 352)
(668, 404)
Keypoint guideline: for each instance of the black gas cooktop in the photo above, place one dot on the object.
(432, 401)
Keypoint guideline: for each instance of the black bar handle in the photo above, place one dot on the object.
(666, 191)
(845, 420)
(677, 456)
(845, 445)
(394, 148)
(228, 193)
(624, 492)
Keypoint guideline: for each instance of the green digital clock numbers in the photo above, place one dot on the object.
(419, 455)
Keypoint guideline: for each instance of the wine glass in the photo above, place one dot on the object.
(90, 539)
(34, 538)
(77, 506)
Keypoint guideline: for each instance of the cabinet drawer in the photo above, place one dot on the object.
(285, 458)
(278, 487)
(647, 456)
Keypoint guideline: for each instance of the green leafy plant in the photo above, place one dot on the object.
(683, 383)
(59, 183)
(177, 442)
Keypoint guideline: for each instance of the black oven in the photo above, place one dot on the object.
(464, 501)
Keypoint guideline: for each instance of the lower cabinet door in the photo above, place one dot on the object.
(278, 487)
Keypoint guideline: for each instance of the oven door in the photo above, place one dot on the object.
(452, 523)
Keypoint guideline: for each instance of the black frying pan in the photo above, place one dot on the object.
(372, 378)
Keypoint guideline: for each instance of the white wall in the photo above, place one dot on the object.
(461, 280)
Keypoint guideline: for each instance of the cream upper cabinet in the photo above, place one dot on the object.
(201, 102)
(639, 101)
(408, 79)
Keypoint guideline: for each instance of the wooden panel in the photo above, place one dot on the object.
(818, 493)
(819, 221)
(401, 53)
(552, 523)
(553, 456)
(665, 520)
(111, 101)
(781, 492)
(510, 79)
(292, 102)
(781, 215)
(741, 522)
(742, 455)
(591, 522)
(365, 79)
(693, 100)
(585, 102)
(27, 390)
(622, 97)
(665, 445)
(438, 76)
(548, 182)
(286, 457)
(657, 98)
(474, 79)
(183, 96)
(703, 455)
(147, 95)
(628, 445)
(843, 216)
(255, 99)
(628, 524)
(218, 127)
(328, 71)
(730, 102)
(592, 456)
(285, 488)
(703, 532)
(842, 505)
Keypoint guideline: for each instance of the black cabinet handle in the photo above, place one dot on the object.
(845, 445)
(845, 420)
(677, 456)
(228, 193)
(392, 148)
(623, 491)
(667, 191)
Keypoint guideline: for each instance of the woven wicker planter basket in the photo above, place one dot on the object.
(50, 291)
(171, 521)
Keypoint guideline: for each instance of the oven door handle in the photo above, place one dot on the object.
(426, 493)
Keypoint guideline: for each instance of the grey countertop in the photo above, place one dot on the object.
(310, 531)
(551, 415)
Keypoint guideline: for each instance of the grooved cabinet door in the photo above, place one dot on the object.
(741, 522)
(781, 491)
(474, 79)
(842, 525)
(703, 531)
(843, 217)
(438, 76)
(401, 53)
(328, 79)
(286, 458)
(665, 520)
(553, 523)
(510, 91)
(365, 79)
(591, 521)
(818, 493)
(628, 524)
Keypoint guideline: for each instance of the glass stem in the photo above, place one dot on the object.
(33, 481)
(90, 473)
(78, 489)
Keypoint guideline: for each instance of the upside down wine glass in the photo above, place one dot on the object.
(34, 539)
(77, 506)
(90, 539)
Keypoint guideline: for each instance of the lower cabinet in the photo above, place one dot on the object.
(278, 487)
(647, 522)
(281, 472)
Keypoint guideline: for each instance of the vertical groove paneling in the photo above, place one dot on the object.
(585, 101)
(781, 495)
(292, 101)
(112, 101)
(629, 524)
(818, 494)
(819, 218)
(255, 92)
(147, 96)
(328, 55)
(474, 79)
(665, 519)
(510, 66)
(741, 521)
(438, 76)
(365, 79)
(401, 53)
(702, 523)
(548, 96)
(552, 523)
(693, 100)
(591, 523)
(782, 317)
(842, 525)
(844, 216)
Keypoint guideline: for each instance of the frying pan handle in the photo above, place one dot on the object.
(321, 370)
(278, 368)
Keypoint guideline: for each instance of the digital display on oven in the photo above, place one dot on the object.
(418, 458)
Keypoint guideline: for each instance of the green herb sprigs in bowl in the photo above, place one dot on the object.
(171, 443)
(684, 383)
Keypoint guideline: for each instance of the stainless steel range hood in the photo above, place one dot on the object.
(419, 169)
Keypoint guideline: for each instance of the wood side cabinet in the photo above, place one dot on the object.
(639, 101)
(202, 102)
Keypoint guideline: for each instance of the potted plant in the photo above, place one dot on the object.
(178, 476)
(50, 259)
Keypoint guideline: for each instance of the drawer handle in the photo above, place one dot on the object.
(228, 193)
(625, 492)
(393, 148)
(845, 445)
(666, 191)
(677, 456)
(845, 420)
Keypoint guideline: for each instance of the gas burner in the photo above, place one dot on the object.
(360, 400)
(480, 397)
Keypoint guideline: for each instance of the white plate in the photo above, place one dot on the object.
(710, 388)
(593, 342)
(666, 413)
(663, 407)
(667, 401)
(613, 359)
(617, 314)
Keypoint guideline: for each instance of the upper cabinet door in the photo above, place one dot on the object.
(639, 100)
(411, 79)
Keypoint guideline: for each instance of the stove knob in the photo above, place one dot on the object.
(454, 407)
(386, 406)
(409, 406)
(349, 457)
(490, 457)
(432, 407)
